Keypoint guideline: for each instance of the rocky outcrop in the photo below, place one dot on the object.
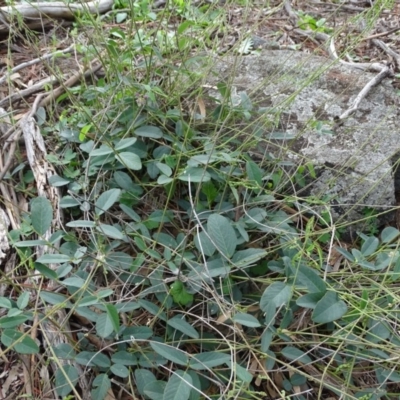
(300, 96)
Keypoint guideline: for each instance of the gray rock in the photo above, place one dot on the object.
(302, 94)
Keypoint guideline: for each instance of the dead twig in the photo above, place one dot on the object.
(387, 71)
(29, 91)
(45, 57)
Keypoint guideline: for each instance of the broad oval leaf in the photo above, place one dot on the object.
(102, 385)
(142, 378)
(246, 320)
(170, 353)
(57, 181)
(222, 234)
(101, 151)
(245, 258)
(155, 390)
(123, 143)
(294, 354)
(206, 361)
(130, 160)
(369, 246)
(120, 370)
(254, 173)
(149, 131)
(66, 378)
(104, 325)
(21, 343)
(178, 387)
(183, 326)
(110, 231)
(389, 234)
(329, 309)
(41, 214)
(53, 258)
(106, 200)
(194, 174)
(306, 276)
(204, 245)
(12, 322)
(278, 293)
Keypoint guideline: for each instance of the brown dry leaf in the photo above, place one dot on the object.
(202, 107)
(14, 374)
(223, 318)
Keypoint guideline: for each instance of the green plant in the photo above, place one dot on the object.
(185, 266)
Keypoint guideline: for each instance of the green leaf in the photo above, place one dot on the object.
(31, 243)
(206, 361)
(389, 234)
(66, 379)
(164, 180)
(180, 294)
(254, 173)
(222, 234)
(81, 224)
(54, 298)
(23, 300)
(16, 340)
(204, 245)
(246, 320)
(178, 387)
(194, 175)
(181, 325)
(248, 257)
(65, 350)
(103, 150)
(74, 281)
(195, 394)
(130, 160)
(124, 358)
(149, 131)
(5, 303)
(295, 354)
(45, 271)
(12, 322)
(329, 309)
(155, 390)
(309, 300)
(69, 201)
(124, 143)
(306, 276)
(120, 370)
(377, 331)
(41, 214)
(153, 309)
(164, 168)
(241, 373)
(104, 325)
(53, 259)
(102, 385)
(107, 200)
(391, 375)
(170, 353)
(143, 377)
(130, 213)
(110, 231)
(266, 339)
(57, 181)
(113, 316)
(369, 246)
(278, 293)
